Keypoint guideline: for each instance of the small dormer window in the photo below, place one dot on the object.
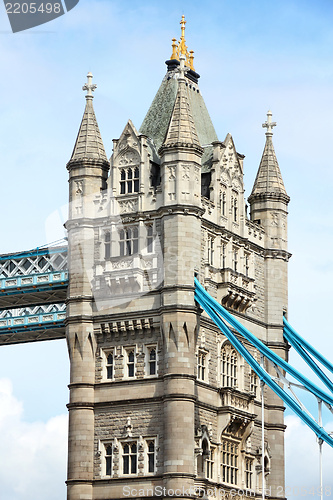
(235, 210)
(129, 180)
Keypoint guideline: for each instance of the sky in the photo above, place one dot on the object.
(252, 56)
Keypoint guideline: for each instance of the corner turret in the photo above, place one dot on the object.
(269, 200)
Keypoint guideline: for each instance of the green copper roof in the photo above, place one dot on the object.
(156, 122)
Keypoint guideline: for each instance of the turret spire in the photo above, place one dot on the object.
(89, 144)
(181, 48)
(269, 179)
(181, 131)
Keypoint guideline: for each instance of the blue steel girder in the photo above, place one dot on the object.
(46, 323)
(38, 276)
(37, 261)
(33, 290)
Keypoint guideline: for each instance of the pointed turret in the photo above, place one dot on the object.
(181, 182)
(89, 144)
(88, 167)
(181, 131)
(157, 120)
(269, 179)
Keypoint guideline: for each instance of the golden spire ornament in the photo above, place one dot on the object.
(181, 48)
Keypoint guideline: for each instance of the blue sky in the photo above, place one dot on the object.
(252, 56)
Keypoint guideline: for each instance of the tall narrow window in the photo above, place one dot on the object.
(235, 261)
(210, 464)
(151, 456)
(109, 366)
(248, 472)
(253, 383)
(130, 458)
(201, 365)
(150, 239)
(152, 361)
(235, 210)
(247, 265)
(108, 460)
(210, 255)
(229, 366)
(107, 245)
(136, 180)
(130, 363)
(223, 256)
(229, 462)
(122, 182)
(223, 203)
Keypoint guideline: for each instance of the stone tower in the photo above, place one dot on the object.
(160, 403)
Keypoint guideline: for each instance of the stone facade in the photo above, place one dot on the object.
(158, 396)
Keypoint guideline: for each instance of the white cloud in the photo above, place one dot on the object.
(302, 460)
(32, 455)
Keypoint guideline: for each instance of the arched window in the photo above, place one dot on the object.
(228, 366)
(107, 244)
(129, 180)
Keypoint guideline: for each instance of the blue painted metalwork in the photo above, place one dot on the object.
(36, 252)
(32, 322)
(36, 282)
(271, 355)
(215, 311)
(313, 365)
(307, 346)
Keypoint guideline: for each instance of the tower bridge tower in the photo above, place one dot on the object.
(158, 396)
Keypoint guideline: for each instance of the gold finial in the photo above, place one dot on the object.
(182, 43)
(181, 47)
(174, 49)
(191, 59)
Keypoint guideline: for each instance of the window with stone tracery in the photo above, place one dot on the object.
(248, 473)
(229, 361)
(130, 458)
(229, 462)
(129, 180)
(128, 241)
